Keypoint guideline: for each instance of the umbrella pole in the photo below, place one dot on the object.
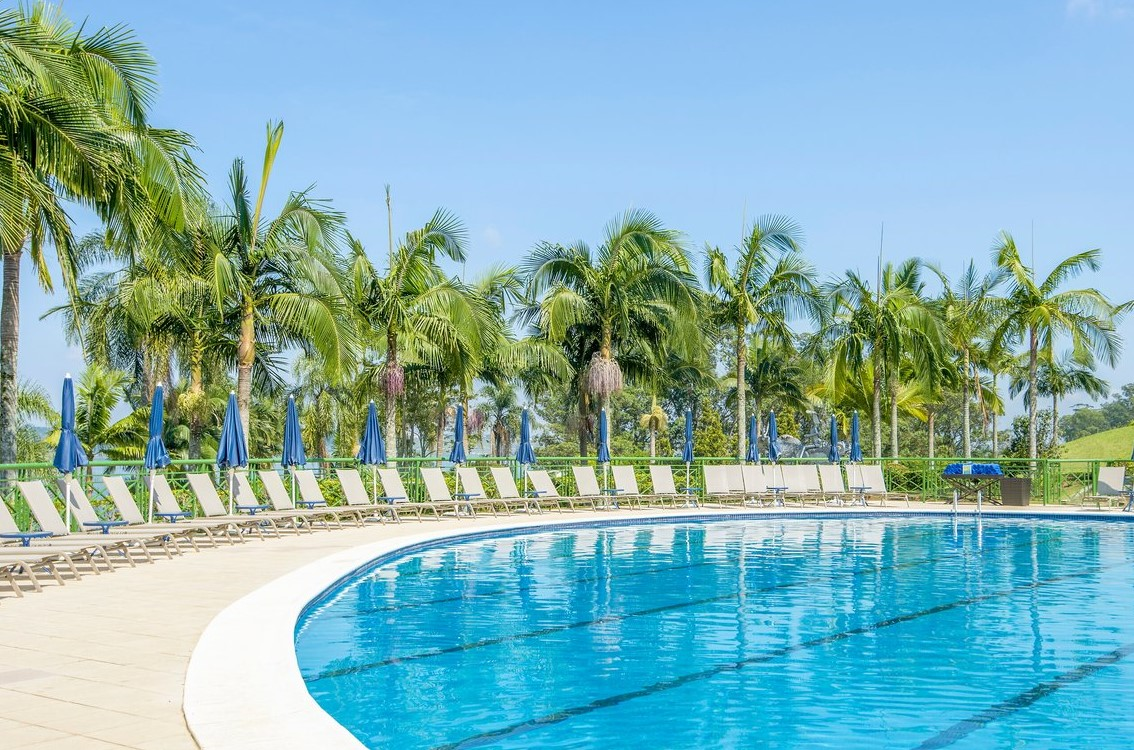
(231, 472)
(373, 484)
(67, 509)
(292, 486)
(457, 487)
(150, 514)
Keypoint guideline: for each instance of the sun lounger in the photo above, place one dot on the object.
(47, 516)
(357, 498)
(717, 487)
(280, 500)
(661, 478)
(587, 486)
(543, 484)
(812, 487)
(213, 508)
(506, 489)
(397, 496)
(755, 484)
(471, 483)
(1111, 487)
(831, 476)
(437, 490)
(18, 558)
(875, 483)
(797, 484)
(279, 506)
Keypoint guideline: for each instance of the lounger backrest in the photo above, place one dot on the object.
(42, 507)
(1111, 480)
(164, 499)
(832, 476)
(755, 483)
(81, 507)
(123, 499)
(586, 481)
(435, 485)
(715, 481)
(541, 483)
(7, 523)
(274, 488)
(625, 480)
(392, 485)
(873, 480)
(470, 481)
(810, 474)
(354, 491)
(734, 478)
(505, 483)
(661, 477)
(308, 485)
(242, 493)
(206, 493)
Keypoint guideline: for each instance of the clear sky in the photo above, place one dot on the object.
(532, 121)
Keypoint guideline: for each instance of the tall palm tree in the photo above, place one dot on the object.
(635, 287)
(769, 285)
(1057, 380)
(969, 310)
(278, 276)
(883, 326)
(776, 376)
(413, 309)
(73, 128)
(1040, 312)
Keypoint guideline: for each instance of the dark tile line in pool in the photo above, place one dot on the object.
(475, 536)
(551, 630)
(513, 730)
(1019, 702)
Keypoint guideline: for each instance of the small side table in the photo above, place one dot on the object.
(860, 494)
(466, 496)
(172, 517)
(106, 526)
(612, 492)
(26, 537)
(778, 495)
(251, 509)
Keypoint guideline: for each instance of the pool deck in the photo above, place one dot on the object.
(101, 662)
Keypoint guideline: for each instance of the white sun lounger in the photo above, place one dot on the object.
(471, 483)
(661, 478)
(506, 489)
(875, 483)
(280, 500)
(717, 484)
(586, 483)
(83, 511)
(397, 496)
(834, 490)
(543, 484)
(213, 507)
(189, 531)
(48, 518)
(437, 490)
(357, 498)
(38, 555)
(167, 508)
(1111, 487)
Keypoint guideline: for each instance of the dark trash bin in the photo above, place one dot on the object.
(1015, 490)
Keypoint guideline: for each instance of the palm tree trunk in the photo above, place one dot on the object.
(758, 405)
(932, 434)
(9, 356)
(583, 409)
(876, 405)
(995, 434)
(965, 410)
(391, 396)
(1033, 391)
(245, 356)
(1054, 423)
(894, 386)
(653, 426)
(196, 394)
(741, 416)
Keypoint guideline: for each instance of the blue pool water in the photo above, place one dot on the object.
(832, 633)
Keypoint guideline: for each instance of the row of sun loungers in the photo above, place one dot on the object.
(58, 552)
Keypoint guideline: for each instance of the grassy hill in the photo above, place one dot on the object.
(1113, 444)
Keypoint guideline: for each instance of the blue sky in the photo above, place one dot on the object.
(946, 121)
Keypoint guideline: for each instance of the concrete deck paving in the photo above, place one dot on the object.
(100, 662)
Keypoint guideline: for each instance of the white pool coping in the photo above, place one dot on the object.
(243, 687)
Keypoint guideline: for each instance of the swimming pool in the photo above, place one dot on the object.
(834, 632)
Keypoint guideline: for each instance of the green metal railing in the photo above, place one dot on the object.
(1054, 481)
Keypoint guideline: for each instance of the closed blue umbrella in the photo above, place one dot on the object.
(372, 448)
(855, 446)
(157, 457)
(232, 451)
(69, 453)
(773, 438)
(293, 452)
(604, 447)
(833, 454)
(752, 454)
(525, 455)
(687, 451)
(457, 455)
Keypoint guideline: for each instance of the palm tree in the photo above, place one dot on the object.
(769, 285)
(414, 310)
(1038, 313)
(969, 309)
(635, 288)
(776, 377)
(73, 127)
(278, 277)
(100, 391)
(1057, 380)
(883, 327)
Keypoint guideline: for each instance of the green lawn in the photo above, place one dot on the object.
(1113, 444)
